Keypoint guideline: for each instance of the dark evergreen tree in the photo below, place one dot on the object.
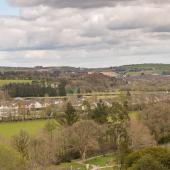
(61, 88)
(29, 90)
(100, 113)
(70, 116)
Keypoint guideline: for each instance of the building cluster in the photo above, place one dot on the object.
(18, 109)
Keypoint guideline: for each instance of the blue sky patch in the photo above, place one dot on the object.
(7, 10)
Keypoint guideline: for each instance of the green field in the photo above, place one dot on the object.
(5, 82)
(101, 161)
(32, 127)
(74, 165)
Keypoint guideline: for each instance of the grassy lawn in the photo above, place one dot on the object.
(5, 82)
(32, 127)
(99, 161)
(102, 160)
(74, 165)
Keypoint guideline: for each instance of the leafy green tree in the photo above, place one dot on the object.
(70, 116)
(10, 159)
(118, 120)
(50, 126)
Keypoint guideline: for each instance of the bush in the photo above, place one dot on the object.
(160, 155)
(147, 163)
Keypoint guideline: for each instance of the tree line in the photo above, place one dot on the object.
(34, 90)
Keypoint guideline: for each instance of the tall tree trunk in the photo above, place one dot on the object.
(83, 155)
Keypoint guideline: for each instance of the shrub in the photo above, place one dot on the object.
(160, 155)
(147, 163)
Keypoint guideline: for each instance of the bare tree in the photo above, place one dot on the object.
(156, 117)
(84, 136)
(21, 143)
(140, 135)
(42, 152)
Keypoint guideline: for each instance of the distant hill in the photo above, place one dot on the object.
(125, 69)
(135, 69)
(128, 77)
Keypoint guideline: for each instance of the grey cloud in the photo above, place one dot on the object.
(163, 29)
(82, 58)
(81, 3)
(74, 36)
(146, 18)
(68, 3)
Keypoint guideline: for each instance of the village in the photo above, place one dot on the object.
(22, 109)
(19, 109)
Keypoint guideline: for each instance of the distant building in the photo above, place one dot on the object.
(37, 105)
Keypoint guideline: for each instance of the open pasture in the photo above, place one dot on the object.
(11, 128)
(5, 82)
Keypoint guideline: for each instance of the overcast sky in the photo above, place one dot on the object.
(85, 33)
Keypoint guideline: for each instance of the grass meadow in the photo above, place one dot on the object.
(102, 161)
(5, 82)
(32, 127)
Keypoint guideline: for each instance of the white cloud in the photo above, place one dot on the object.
(49, 34)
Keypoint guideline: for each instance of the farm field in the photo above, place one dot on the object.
(5, 82)
(32, 127)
